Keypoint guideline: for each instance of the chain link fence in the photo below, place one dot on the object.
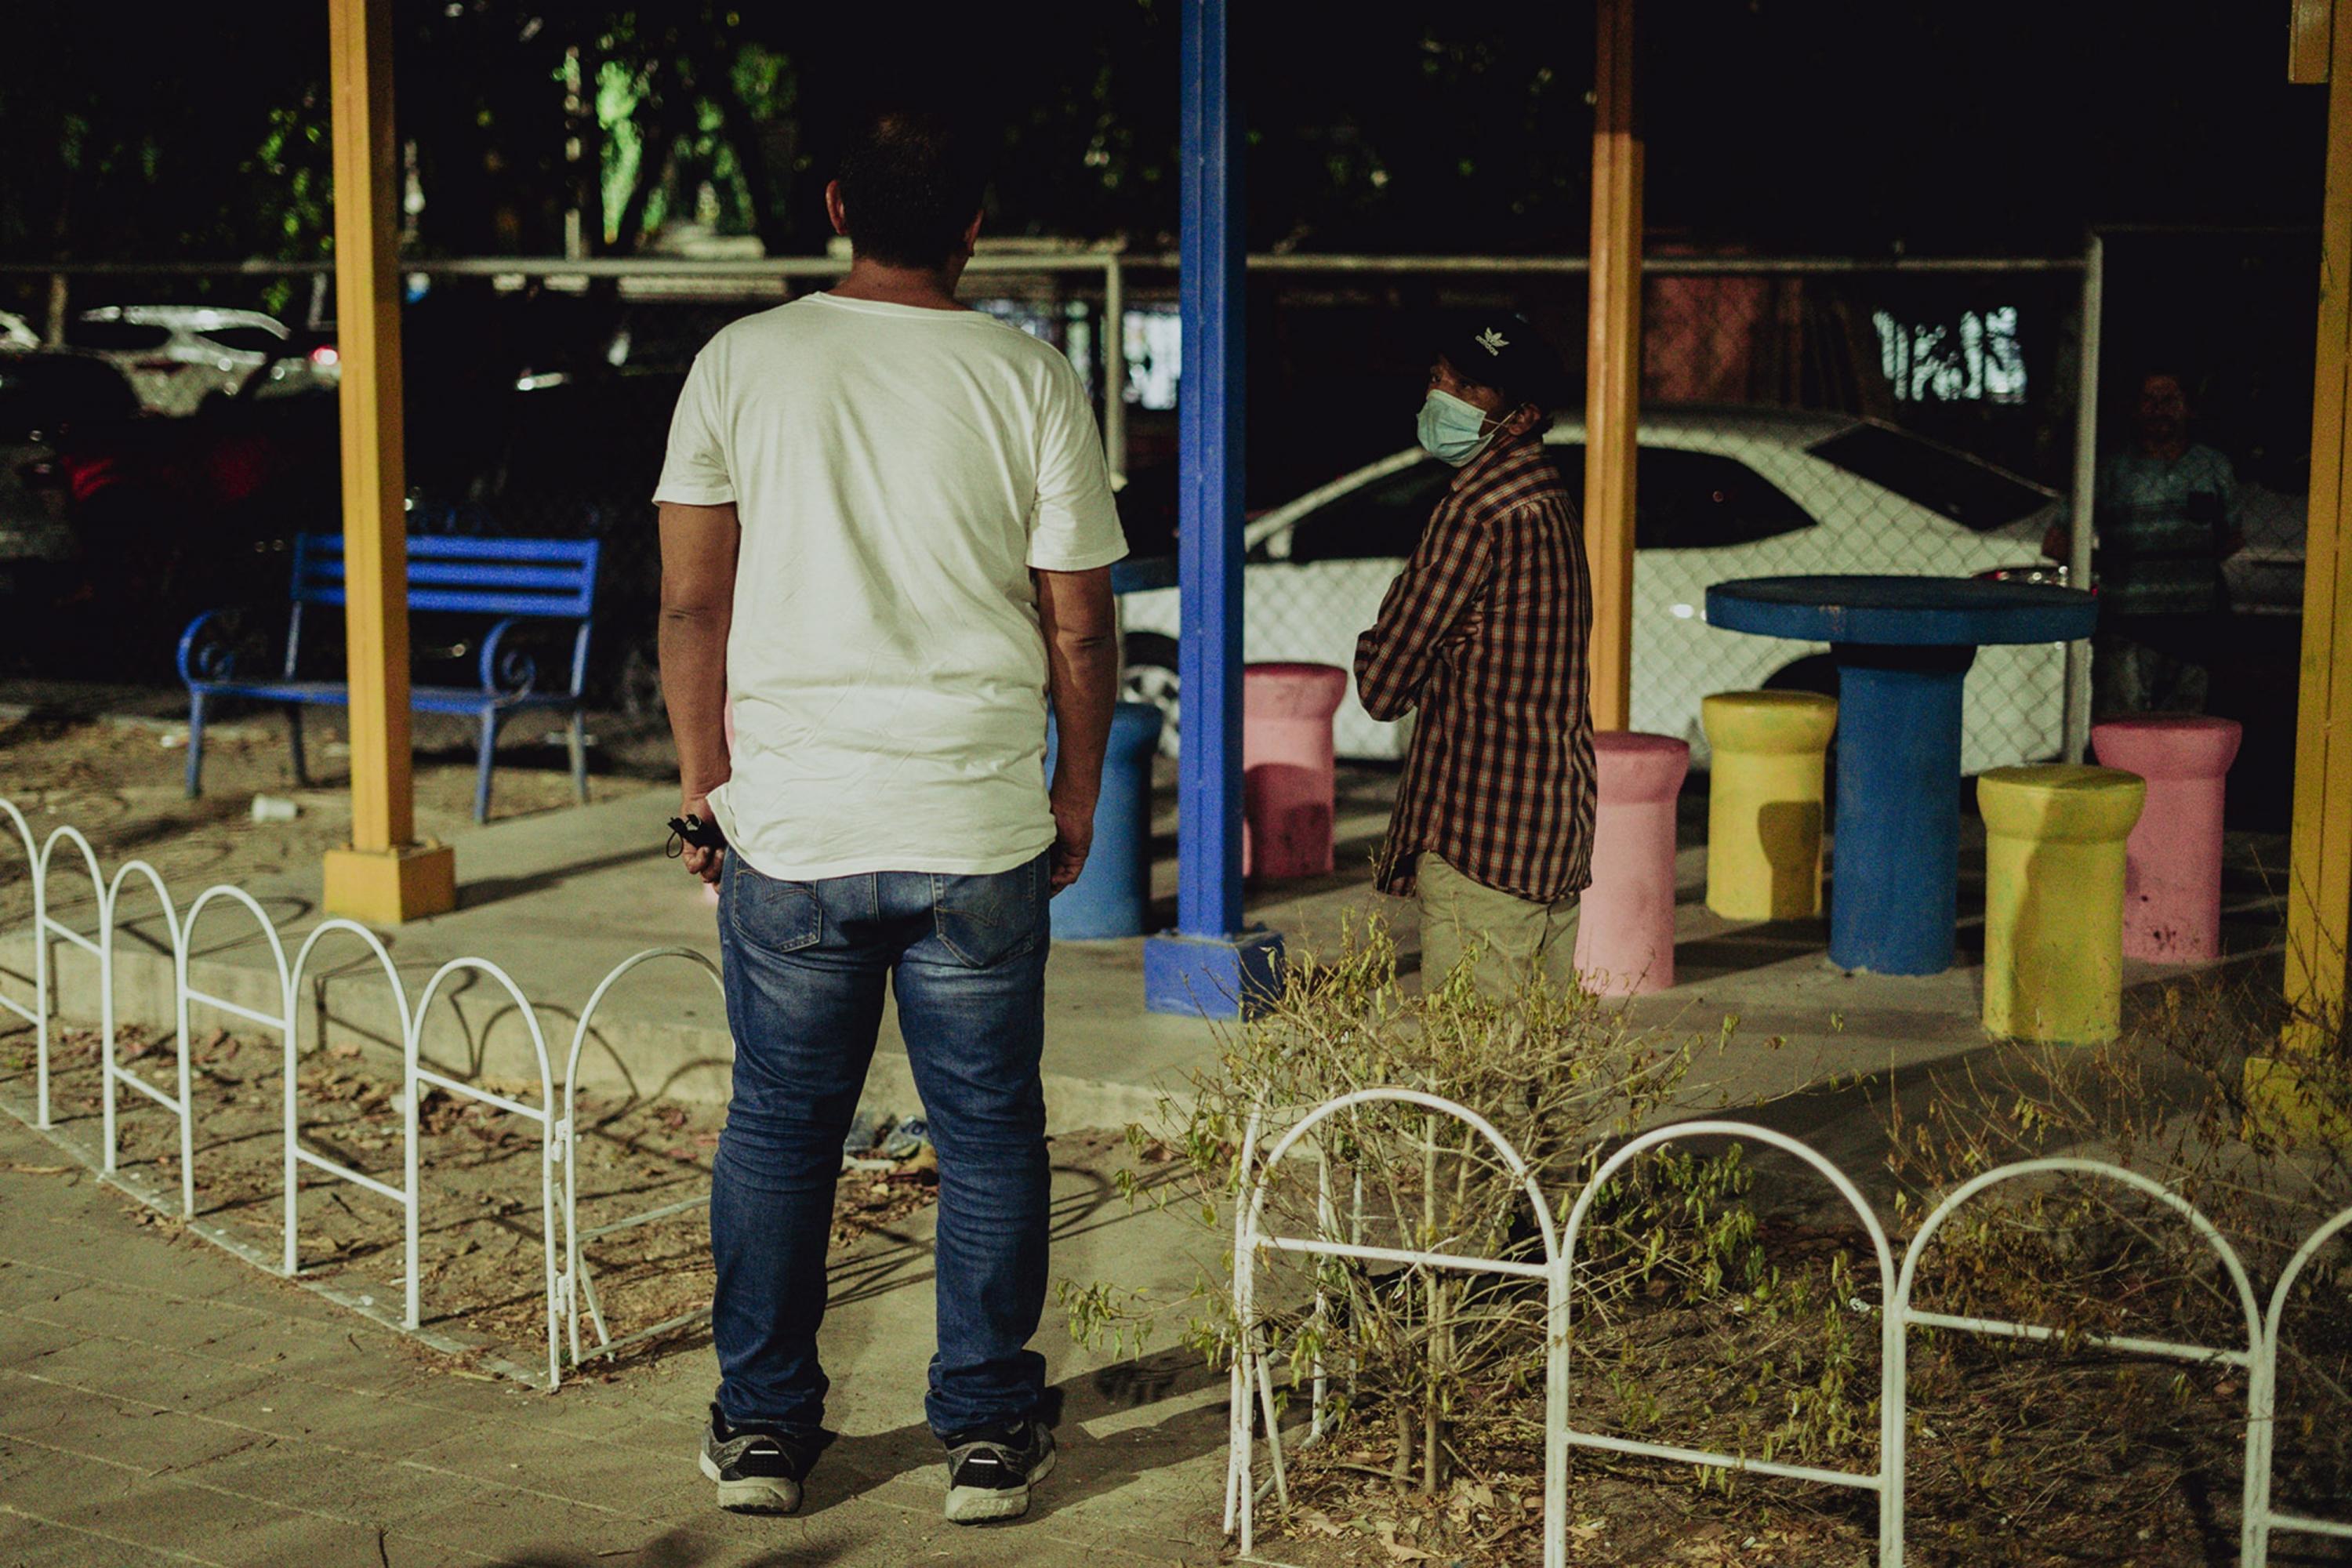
(1799, 415)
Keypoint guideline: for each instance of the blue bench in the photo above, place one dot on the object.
(514, 580)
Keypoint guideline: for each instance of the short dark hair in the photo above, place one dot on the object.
(911, 180)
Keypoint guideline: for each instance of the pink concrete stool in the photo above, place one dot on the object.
(1289, 790)
(2172, 862)
(1625, 930)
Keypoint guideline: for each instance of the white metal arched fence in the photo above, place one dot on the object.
(564, 1280)
(569, 1289)
(1253, 1379)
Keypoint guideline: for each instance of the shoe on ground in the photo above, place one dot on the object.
(992, 1468)
(758, 1472)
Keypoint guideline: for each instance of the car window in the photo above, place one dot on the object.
(117, 337)
(1695, 500)
(1683, 500)
(1974, 494)
(244, 340)
(1380, 520)
(1705, 500)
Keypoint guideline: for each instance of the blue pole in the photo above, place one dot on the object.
(1210, 964)
(1209, 475)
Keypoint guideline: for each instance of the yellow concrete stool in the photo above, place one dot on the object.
(1764, 801)
(2054, 900)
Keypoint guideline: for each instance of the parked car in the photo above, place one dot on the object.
(176, 354)
(55, 409)
(306, 361)
(1720, 493)
(121, 523)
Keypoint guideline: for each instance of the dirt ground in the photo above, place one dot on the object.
(479, 1222)
(120, 782)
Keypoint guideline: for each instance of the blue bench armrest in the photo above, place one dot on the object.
(511, 672)
(207, 655)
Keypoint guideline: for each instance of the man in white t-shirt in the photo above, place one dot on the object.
(887, 533)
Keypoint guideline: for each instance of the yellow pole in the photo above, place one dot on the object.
(1612, 371)
(2320, 887)
(381, 874)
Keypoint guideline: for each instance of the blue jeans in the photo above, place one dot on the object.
(805, 964)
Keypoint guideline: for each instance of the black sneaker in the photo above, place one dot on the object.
(758, 1472)
(992, 1468)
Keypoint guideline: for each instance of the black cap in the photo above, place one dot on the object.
(1502, 349)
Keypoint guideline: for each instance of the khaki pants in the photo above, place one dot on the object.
(1521, 938)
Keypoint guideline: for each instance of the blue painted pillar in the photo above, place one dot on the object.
(1209, 964)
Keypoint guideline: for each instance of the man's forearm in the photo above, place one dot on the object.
(693, 647)
(1082, 677)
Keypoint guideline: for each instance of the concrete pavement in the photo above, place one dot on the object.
(162, 1402)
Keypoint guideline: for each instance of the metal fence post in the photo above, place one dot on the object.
(1114, 328)
(2087, 473)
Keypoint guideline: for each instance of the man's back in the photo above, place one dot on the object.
(897, 471)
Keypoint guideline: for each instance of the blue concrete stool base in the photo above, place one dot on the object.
(1896, 864)
(1213, 977)
(1112, 896)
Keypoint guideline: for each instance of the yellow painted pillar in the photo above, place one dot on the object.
(2054, 837)
(2319, 864)
(382, 875)
(1612, 371)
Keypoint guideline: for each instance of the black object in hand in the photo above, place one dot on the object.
(691, 830)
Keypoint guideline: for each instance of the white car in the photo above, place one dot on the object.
(1720, 493)
(177, 354)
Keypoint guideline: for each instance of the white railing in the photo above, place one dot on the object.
(568, 1288)
(1253, 1381)
(565, 1278)
(576, 1285)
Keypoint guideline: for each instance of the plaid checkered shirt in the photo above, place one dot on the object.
(1485, 631)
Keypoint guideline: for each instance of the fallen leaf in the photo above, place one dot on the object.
(1398, 1550)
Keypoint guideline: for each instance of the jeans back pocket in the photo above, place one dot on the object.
(779, 917)
(986, 921)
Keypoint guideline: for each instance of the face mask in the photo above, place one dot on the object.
(1452, 431)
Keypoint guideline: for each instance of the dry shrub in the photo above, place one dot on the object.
(1698, 1324)
(1434, 1378)
(2070, 1443)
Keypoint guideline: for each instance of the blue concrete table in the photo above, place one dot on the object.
(1903, 647)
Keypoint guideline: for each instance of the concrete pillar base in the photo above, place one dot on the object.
(1212, 976)
(386, 887)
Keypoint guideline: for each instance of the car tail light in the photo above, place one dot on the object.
(325, 355)
(2048, 574)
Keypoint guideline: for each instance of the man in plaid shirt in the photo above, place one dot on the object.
(1485, 631)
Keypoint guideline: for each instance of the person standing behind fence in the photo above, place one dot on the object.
(887, 527)
(1487, 632)
(2167, 516)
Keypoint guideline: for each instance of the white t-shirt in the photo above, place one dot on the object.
(897, 472)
